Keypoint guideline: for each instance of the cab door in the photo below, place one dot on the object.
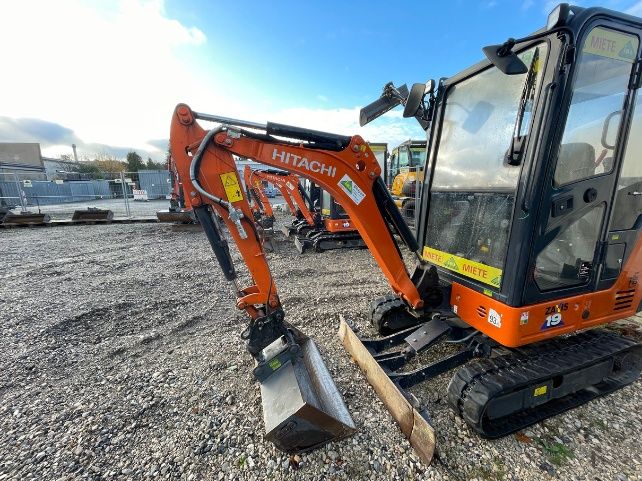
(576, 206)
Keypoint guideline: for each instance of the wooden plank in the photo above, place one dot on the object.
(420, 434)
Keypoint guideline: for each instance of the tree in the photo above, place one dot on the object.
(134, 162)
(110, 165)
(88, 168)
(151, 165)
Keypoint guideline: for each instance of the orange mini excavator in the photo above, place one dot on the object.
(259, 202)
(325, 230)
(288, 185)
(529, 237)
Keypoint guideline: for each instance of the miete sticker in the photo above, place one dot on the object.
(475, 270)
(232, 187)
(352, 189)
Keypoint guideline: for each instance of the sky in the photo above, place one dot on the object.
(106, 75)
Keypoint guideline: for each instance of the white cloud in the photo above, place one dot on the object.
(112, 76)
(113, 72)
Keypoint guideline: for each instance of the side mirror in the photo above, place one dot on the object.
(390, 98)
(415, 99)
(502, 57)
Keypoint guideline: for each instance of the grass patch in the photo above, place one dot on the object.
(557, 453)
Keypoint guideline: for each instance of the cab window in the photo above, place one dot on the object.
(595, 114)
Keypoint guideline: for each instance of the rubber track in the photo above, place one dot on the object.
(332, 239)
(477, 383)
(388, 314)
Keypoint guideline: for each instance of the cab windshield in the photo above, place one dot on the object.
(473, 185)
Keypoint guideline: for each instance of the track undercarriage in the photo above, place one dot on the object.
(496, 390)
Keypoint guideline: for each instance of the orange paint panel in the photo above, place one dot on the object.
(516, 326)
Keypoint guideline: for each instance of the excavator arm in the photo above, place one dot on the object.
(259, 202)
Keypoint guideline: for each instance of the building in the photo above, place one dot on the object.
(21, 158)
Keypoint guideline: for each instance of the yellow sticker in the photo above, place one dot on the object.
(475, 270)
(540, 390)
(232, 188)
(325, 211)
(615, 237)
(611, 44)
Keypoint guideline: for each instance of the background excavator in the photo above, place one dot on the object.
(289, 187)
(405, 176)
(318, 227)
(180, 209)
(530, 234)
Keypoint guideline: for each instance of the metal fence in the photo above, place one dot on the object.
(126, 194)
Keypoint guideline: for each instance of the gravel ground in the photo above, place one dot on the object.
(121, 359)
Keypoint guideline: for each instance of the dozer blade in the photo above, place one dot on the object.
(301, 243)
(302, 407)
(181, 217)
(26, 218)
(413, 425)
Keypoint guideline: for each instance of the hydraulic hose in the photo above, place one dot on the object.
(234, 214)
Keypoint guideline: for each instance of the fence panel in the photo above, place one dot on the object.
(126, 194)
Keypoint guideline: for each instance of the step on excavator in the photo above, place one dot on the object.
(529, 237)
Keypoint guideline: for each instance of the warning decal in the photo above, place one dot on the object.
(232, 187)
(352, 189)
(611, 44)
(475, 270)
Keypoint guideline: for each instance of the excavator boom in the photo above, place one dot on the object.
(343, 166)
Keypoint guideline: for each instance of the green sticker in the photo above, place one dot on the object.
(452, 264)
(274, 364)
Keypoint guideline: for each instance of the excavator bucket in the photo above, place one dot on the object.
(302, 407)
(181, 217)
(26, 218)
(92, 214)
(411, 420)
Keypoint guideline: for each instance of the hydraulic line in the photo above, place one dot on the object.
(235, 215)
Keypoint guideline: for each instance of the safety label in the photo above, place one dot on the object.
(611, 44)
(475, 270)
(352, 189)
(232, 187)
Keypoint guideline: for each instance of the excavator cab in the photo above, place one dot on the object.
(555, 183)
